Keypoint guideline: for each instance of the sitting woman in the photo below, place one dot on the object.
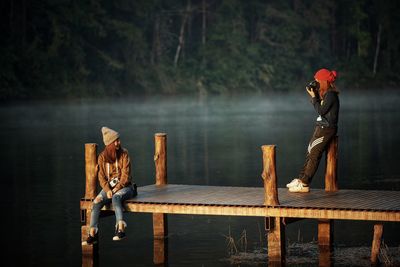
(115, 180)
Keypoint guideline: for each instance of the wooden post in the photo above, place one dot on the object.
(91, 170)
(160, 245)
(274, 226)
(376, 243)
(89, 252)
(160, 158)
(269, 176)
(276, 242)
(331, 182)
(160, 222)
(325, 227)
(325, 241)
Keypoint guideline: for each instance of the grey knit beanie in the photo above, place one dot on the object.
(109, 135)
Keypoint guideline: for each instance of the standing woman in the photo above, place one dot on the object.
(325, 99)
(115, 180)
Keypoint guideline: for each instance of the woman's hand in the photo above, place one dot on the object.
(310, 92)
(110, 194)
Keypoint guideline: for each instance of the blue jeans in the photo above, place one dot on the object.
(117, 200)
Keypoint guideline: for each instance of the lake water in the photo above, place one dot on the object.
(213, 141)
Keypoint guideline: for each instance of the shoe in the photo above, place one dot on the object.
(119, 235)
(91, 240)
(299, 188)
(294, 182)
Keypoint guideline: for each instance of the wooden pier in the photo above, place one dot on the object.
(278, 206)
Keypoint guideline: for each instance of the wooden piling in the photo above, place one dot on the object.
(160, 220)
(160, 245)
(276, 242)
(274, 226)
(325, 242)
(269, 176)
(325, 227)
(160, 158)
(89, 252)
(91, 170)
(376, 243)
(331, 182)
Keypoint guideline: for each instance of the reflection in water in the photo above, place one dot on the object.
(325, 257)
(215, 142)
(90, 256)
(160, 257)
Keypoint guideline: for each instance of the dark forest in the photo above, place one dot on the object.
(81, 48)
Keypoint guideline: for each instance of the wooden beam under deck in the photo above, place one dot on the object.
(306, 213)
(212, 200)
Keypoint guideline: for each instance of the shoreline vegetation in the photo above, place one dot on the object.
(244, 251)
(78, 49)
(306, 254)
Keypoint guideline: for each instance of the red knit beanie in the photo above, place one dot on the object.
(326, 75)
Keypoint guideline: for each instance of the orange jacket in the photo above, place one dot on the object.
(120, 169)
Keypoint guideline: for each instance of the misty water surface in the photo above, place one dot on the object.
(214, 141)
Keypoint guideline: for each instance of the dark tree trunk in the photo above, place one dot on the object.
(378, 46)
(333, 32)
(204, 23)
(156, 49)
(182, 34)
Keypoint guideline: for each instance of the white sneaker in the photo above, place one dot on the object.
(294, 182)
(299, 188)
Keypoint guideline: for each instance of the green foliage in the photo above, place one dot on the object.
(102, 48)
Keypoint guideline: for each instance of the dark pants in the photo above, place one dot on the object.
(318, 144)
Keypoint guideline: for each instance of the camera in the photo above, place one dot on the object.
(114, 182)
(314, 86)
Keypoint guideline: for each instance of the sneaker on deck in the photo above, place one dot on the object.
(119, 235)
(91, 240)
(299, 188)
(294, 182)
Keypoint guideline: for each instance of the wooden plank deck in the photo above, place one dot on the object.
(248, 201)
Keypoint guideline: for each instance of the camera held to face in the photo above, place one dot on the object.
(314, 86)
